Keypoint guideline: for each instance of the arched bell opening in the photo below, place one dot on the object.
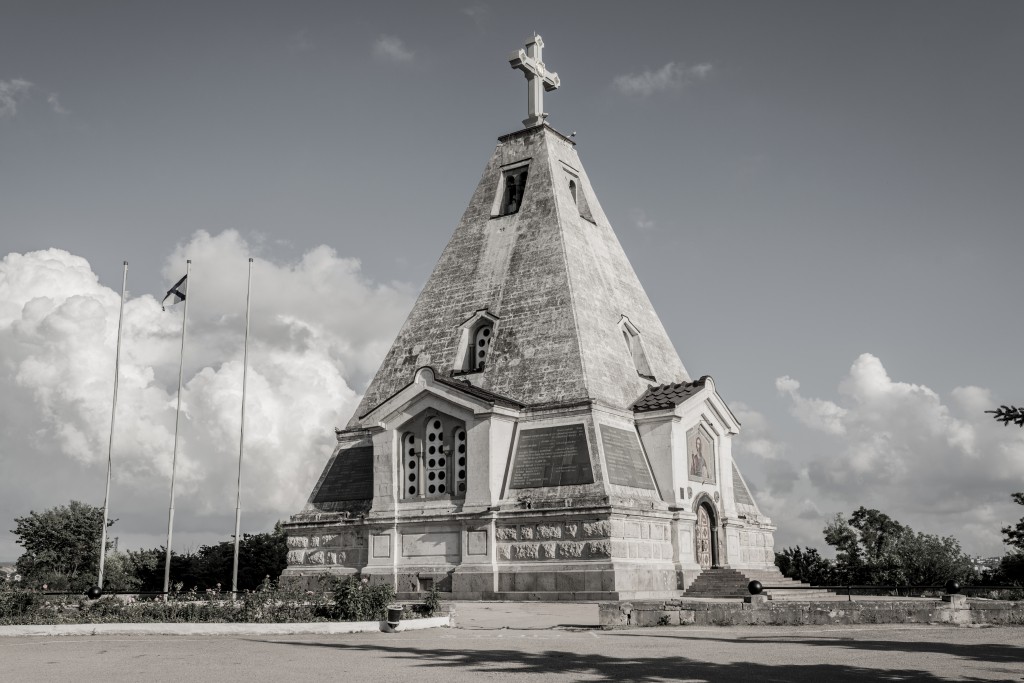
(433, 457)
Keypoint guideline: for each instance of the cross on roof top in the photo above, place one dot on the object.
(530, 63)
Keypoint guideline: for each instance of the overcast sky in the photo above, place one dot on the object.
(823, 200)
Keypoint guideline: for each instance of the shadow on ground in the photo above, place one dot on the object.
(631, 667)
(979, 652)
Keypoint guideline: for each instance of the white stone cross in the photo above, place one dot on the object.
(529, 62)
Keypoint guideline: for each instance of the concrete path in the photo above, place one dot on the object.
(837, 655)
(524, 615)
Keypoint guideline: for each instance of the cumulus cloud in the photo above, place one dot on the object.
(319, 328)
(641, 221)
(755, 437)
(392, 48)
(669, 77)
(11, 94)
(54, 102)
(815, 413)
(941, 465)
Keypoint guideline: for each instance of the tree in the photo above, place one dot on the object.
(930, 560)
(120, 573)
(849, 558)
(1014, 535)
(806, 565)
(61, 546)
(1010, 570)
(259, 556)
(1008, 415)
(872, 548)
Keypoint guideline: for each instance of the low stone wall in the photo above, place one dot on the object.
(684, 612)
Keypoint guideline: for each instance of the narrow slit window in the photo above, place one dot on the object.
(572, 191)
(481, 345)
(436, 458)
(460, 464)
(410, 457)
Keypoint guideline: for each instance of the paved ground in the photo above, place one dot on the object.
(657, 654)
(524, 615)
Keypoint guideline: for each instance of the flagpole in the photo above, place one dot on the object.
(110, 443)
(241, 437)
(177, 418)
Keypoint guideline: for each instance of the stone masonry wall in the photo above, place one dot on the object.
(344, 547)
(757, 546)
(554, 540)
(641, 539)
(584, 539)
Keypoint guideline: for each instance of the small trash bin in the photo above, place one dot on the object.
(394, 615)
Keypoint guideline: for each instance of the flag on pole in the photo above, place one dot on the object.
(176, 293)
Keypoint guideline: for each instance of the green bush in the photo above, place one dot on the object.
(350, 600)
(431, 604)
(356, 599)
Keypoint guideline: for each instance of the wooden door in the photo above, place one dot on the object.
(703, 538)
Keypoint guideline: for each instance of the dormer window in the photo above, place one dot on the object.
(515, 184)
(579, 197)
(631, 335)
(508, 197)
(481, 344)
(475, 343)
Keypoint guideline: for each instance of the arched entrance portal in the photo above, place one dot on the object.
(706, 537)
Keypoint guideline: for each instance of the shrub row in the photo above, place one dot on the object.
(339, 599)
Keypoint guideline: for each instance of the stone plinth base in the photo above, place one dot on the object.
(571, 553)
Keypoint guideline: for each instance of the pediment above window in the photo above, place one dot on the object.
(429, 388)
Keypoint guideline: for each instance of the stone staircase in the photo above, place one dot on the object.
(723, 582)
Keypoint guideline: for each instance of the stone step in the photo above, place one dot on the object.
(724, 582)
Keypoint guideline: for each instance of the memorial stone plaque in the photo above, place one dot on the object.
(552, 456)
(627, 465)
(349, 478)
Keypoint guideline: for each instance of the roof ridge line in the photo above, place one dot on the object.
(565, 263)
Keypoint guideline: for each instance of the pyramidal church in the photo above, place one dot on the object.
(532, 432)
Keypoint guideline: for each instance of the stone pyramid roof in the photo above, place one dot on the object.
(557, 280)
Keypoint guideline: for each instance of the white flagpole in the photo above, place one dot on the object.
(110, 443)
(241, 437)
(177, 418)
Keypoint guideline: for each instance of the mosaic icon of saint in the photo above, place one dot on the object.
(698, 465)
